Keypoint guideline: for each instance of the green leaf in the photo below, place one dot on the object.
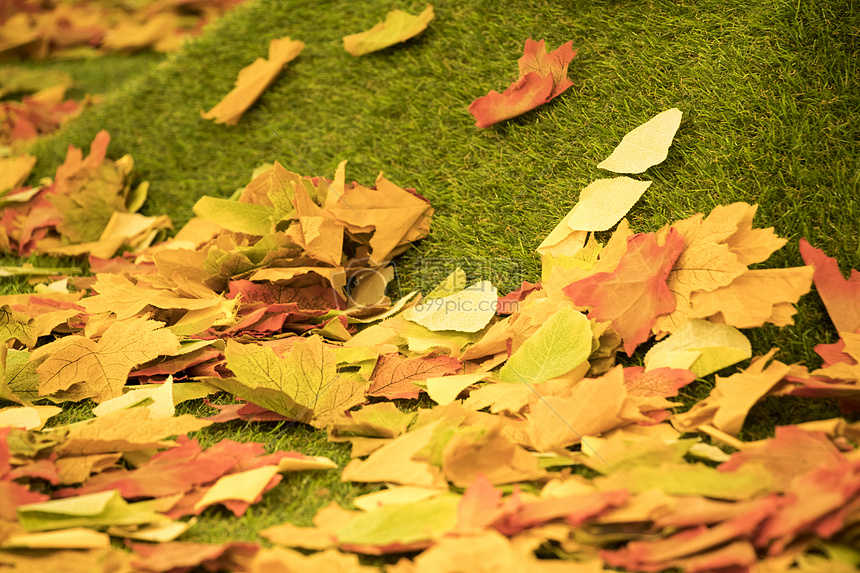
(304, 386)
(234, 216)
(96, 510)
(16, 325)
(561, 344)
(20, 380)
(702, 346)
(697, 479)
(402, 523)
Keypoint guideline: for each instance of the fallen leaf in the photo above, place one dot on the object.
(542, 77)
(754, 298)
(701, 346)
(398, 26)
(71, 538)
(100, 369)
(444, 389)
(717, 250)
(487, 452)
(636, 293)
(604, 202)
(393, 462)
(593, 406)
(391, 528)
(489, 551)
(304, 386)
(561, 344)
(91, 510)
(793, 451)
(645, 146)
(123, 431)
(731, 399)
(395, 495)
(839, 295)
(396, 216)
(117, 294)
(395, 377)
(168, 557)
(253, 80)
(331, 560)
(245, 486)
(14, 171)
(468, 310)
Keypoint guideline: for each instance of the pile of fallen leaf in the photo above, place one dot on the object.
(277, 296)
(39, 113)
(41, 29)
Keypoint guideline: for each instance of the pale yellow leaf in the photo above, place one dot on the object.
(645, 146)
(605, 202)
(245, 486)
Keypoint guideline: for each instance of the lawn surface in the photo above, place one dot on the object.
(769, 93)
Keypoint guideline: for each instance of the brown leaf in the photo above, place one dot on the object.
(164, 557)
(393, 376)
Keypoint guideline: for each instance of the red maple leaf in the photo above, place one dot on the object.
(840, 296)
(509, 303)
(636, 293)
(542, 77)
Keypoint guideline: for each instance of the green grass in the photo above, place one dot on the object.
(769, 93)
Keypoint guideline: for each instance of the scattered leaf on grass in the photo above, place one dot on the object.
(645, 146)
(253, 80)
(542, 77)
(398, 27)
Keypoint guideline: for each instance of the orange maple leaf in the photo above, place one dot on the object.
(634, 294)
(542, 77)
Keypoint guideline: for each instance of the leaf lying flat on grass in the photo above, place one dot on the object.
(645, 146)
(253, 80)
(398, 27)
(840, 295)
(542, 77)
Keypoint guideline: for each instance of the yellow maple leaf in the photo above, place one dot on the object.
(119, 295)
(123, 431)
(755, 297)
(706, 264)
(100, 369)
